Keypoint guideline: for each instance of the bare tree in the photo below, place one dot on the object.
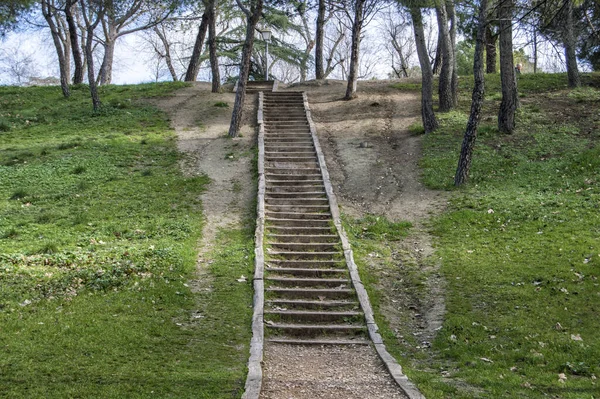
(194, 66)
(509, 104)
(400, 46)
(70, 8)
(212, 46)
(445, 83)
(61, 40)
(253, 13)
(569, 42)
(92, 12)
(466, 153)
(16, 63)
(428, 116)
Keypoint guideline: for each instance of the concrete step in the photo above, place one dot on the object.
(313, 316)
(293, 171)
(312, 330)
(303, 255)
(304, 238)
(308, 264)
(298, 215)
(309, 195)
(273, 184)
(309, 282)
(274, 222)
(274, 147)
(297, 208)
(304, 246)
(339, 304)
(318, 341)
(296, 139)
(299, 230)
(311, 293)
(307, 272)
(295, 201)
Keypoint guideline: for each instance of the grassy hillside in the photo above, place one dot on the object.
(519, 247)
(98, 237)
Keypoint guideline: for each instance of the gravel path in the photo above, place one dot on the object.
(336, 372)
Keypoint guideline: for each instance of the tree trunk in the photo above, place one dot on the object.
(108, 59)
(89, 55)
(445, 84)
(570, 46)
(194, 66)
(75, 48)
(357, 26)
(429, 121)
(252, 16)
(163, 38)
(439, 56)
(63, 64)
(535, 50)
(320, 33)
(490, 50)
(466, 152)
(212, 47)
(453, 21)
(509, 104)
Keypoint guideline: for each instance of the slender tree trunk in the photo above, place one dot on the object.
(252, 17)
(490, 50)
(466, 153)
(570, 45)
(445, 84)
(355, 52)
(89, 55)
(439, 55)
(535, 50)
(429, 121)
(75, 47)
(163, 38)
(212, 47)
(320, 33)
(48, 12)
(108, 59)
(194, 66)
(453, 21)
(509, 104)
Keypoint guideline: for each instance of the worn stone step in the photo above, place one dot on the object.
(304, 255)
(293, 171)
(298, 215)
(293, 140)
(291, 154)
(291, 189)
(309, 282)
(338, 304)
(287, 130)
(291, 160)
(319, 341)
(311, 293)
(299, 230)
(304, 238)
(293, 183)
(312, 330)
(278, 147)
(311, 272)
(296, 223)
(309, 164)
(314, 316)
(296, 201)
(310, 263)
(297, 209)
(309, 195)
(304, 246)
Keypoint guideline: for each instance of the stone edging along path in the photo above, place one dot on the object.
(254, 378)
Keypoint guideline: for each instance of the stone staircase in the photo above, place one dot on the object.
(255, 86)
(309, 297)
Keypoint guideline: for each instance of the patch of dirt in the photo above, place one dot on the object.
(326, 372)
(372, 158)
(201, 128)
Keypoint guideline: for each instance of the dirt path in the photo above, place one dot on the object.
(372, 159)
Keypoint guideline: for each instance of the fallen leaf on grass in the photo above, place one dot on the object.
(562, 378)
(485, 359)
(576, 337)
(242, 279)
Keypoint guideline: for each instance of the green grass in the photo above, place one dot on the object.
(520, 251)
(98, 238)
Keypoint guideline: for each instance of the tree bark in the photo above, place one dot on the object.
(163, 38)
(61, 52)
(445, 80)
(509, 104)
(319, 38)
(439, 56)
(212, 47)
(75, 48)
(453, 25)
(428, 116)
(107, 61)
(89, 54)
(194, 66)
(252, 18)
(570, 46)
(490, 50)
(357, 26)
(466, 153)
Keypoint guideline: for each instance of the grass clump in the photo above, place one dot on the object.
(519, 251)
(221, 104)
